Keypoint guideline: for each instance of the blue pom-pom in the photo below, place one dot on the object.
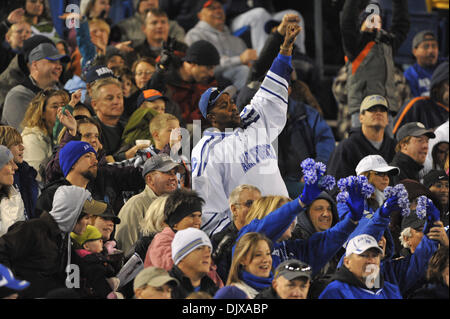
(308, 164)
(400, 191)
(312, 172)
(342, 197)
(327, 182)
(421, 208)
(320, 168)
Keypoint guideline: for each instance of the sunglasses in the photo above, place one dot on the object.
(297, 267)
(381, 174)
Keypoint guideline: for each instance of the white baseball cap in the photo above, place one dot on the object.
(361, 243)
(375, 163)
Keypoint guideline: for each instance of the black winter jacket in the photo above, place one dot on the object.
(223, 242)
(185, 288)
(409, 168)
(350, 151)
(37, 252)
(108, 187)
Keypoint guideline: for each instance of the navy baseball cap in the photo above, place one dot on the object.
(210, 97)
(98, 72)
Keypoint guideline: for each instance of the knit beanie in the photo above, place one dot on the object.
(70, 154)
(91, 233)
(187, 240)
(202, 52)
(183, 210)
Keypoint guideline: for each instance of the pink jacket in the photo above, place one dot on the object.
(159, 254)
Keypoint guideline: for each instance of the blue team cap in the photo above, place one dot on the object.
(210, 97)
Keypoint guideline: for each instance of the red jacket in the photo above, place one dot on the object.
(187, 95)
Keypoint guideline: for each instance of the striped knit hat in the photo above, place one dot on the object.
(186, 241)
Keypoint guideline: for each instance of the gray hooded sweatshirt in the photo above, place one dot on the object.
(67, 206)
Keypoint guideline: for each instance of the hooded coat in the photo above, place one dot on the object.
(38, 250)
(304, 229)
(405, 272)
(316, 251)
(347, 286)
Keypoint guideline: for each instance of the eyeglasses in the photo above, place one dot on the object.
(381, 174)
(247, 204)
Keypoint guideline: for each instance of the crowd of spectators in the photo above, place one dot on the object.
(182, 152)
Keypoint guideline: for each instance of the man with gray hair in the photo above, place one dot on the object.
(107, 101)
(240, 201)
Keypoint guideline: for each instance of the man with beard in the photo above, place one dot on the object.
(425, 49)
(44, 64)
(184, 79)
(238, 150)
(437, 182)
(79, 165)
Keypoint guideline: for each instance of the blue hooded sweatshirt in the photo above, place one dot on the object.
(402, 272)
(316, 251)
(347, 286)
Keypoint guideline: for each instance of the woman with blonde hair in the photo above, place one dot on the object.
(152, 224)
(37, 124)
(277, 226)
(251, 267)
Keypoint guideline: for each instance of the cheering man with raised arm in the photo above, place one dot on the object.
(238, 149)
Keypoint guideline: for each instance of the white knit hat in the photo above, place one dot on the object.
(187, 240)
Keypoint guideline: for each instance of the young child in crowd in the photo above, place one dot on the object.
(98, 271)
